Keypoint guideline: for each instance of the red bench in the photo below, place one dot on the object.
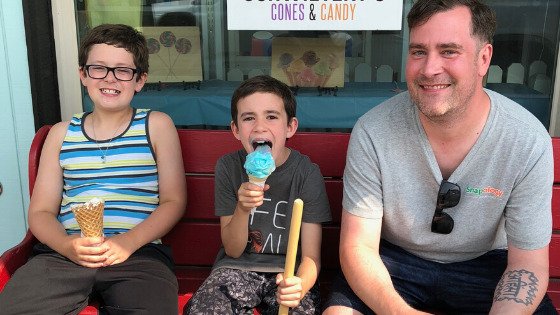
(196, 238)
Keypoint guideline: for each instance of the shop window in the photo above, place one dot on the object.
(523, 66)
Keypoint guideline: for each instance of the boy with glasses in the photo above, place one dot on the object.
(480, 160)
(130, 158)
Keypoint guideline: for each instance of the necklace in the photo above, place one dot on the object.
(104, 154)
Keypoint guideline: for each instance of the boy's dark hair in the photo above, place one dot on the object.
(483, 17)
(120, 36)
(264, 84)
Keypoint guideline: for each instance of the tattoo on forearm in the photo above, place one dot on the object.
(519, 286)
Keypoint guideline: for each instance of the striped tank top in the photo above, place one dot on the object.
(127, 180)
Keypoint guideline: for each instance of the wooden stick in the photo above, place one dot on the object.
(293, 240)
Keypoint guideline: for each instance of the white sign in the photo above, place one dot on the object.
(328, 15)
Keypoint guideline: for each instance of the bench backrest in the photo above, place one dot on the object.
(199, 231)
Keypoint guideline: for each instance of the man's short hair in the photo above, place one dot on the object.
(120, 36)
(264, 84)
(483, 17)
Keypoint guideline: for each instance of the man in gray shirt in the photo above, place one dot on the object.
(447, 187)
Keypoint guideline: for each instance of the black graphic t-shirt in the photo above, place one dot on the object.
(269, 226)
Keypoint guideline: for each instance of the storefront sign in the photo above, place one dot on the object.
(314, 14)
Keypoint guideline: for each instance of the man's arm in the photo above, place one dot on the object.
(524, 282)
(172, 193)
(528, 225)
(363, 268)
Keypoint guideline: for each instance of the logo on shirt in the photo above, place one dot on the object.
(256, 240)
(487, 190)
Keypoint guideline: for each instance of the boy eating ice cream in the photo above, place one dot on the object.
(249, 266)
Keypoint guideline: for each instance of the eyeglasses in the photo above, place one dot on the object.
(120, 73)
(448, 197)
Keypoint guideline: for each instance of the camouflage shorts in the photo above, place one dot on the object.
(238, 292)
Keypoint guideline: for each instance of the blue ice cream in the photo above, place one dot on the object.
(260, 163)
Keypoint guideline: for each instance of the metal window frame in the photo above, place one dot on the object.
(66, 39)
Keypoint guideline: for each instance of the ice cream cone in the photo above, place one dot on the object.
(319, 81)
(292, 79)
(289, 76)
(322, 73)
(89, 216)
(259, 164)
(295, 68)
(307, 83)
(296, 78)
(310, 58)
(324, 79)
(257, 181)
(308, 77)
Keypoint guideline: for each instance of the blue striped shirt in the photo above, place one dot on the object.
(127, 181)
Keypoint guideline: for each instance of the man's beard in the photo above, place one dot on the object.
(443, 110)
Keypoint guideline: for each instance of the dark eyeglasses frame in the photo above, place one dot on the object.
(448, 196)
(111, 69)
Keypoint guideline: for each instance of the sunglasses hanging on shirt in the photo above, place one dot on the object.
(448, 197)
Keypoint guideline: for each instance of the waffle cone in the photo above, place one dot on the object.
(323, 79)
(297, 80)
(288, 75)
(258, 181)
(293, 79)
(90, 218)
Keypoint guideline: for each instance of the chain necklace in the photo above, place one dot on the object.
(104, 154)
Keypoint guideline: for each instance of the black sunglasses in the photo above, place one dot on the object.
(448, 197)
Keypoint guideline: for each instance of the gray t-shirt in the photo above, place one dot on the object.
(269, 227)
(506, 181)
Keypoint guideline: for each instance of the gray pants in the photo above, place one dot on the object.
(237, 292)
(49, 283)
